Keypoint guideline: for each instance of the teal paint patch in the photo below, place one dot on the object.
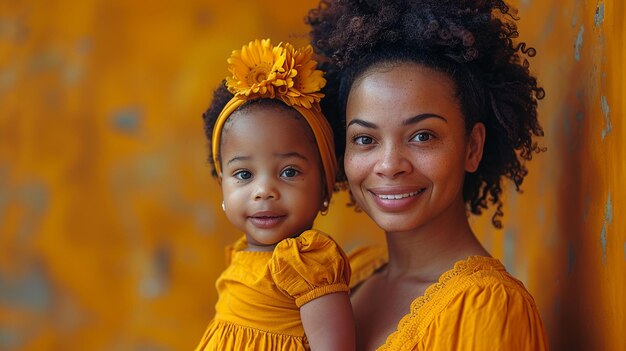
(28, 291)
(11, 338)
(8, 77)
(603, 242)
(127, 120)
(598, 17)
(608, 216)
(579, 43)
(157, 281)
(35, 197)
(606, 109)
(608, 219)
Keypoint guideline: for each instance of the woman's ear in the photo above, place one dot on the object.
(475, 144)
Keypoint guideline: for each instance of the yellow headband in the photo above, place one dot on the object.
(260, 70)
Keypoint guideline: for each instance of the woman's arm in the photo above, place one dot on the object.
(328, 322)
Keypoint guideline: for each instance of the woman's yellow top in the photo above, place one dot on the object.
(260, 293)
(477, 305)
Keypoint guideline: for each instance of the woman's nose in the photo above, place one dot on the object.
(392, 162)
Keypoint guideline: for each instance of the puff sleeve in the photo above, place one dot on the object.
(309, 266)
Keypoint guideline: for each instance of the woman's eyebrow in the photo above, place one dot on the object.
(422, 117)
(362, 123)
(406, 122)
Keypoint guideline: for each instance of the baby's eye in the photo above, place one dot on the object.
(363, 140)
(243, 175)
(289, 173)
(423, 136)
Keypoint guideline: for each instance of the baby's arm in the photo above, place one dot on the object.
(328, 322)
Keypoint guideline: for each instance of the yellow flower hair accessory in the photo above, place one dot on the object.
(255, 69)
(260, 70)
(263, 71)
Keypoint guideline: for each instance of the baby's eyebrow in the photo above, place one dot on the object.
(238, 159)
(291, 154)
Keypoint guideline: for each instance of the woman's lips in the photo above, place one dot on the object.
(395, 200)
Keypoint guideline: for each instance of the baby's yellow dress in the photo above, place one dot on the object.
(260, 293)
(477, 305)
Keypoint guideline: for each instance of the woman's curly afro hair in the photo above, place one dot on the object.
(472, 41)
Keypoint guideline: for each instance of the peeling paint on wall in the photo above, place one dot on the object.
(127, 120)
(608, 219)
(598, 17)
(605, 112)
(579, 43)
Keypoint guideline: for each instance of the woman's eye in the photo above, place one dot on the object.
(423, 136)
(289, 173)
(243, 175)
(363, 140)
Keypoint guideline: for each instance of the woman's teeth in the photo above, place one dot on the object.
(398, 196)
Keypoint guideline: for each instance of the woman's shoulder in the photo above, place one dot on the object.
(480, 273)
(477, 297)
(482, 279)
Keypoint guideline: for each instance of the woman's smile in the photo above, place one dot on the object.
(395, 200)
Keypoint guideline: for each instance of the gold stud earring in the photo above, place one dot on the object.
(223, 207)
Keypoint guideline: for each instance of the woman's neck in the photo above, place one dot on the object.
(432, 249)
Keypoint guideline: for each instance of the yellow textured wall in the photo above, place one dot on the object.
(111, 232)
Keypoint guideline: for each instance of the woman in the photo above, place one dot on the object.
(436, 105)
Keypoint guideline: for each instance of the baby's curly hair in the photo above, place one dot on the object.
(221, 96)
(472, 41)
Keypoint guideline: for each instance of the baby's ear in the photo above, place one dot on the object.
(474, 148)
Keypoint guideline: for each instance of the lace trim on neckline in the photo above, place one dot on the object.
(475, 263)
